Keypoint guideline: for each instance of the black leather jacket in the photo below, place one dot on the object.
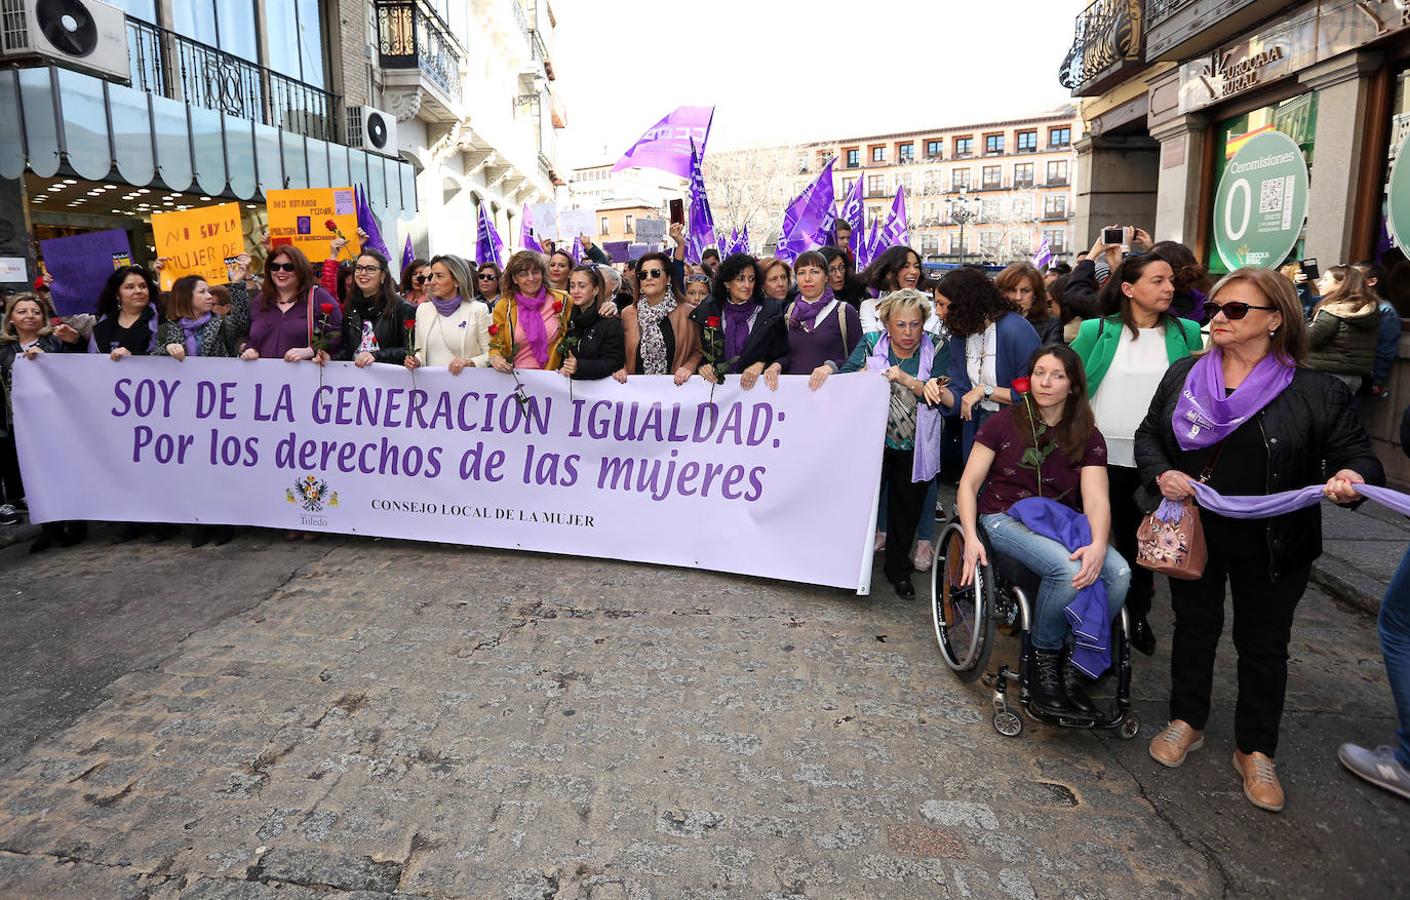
(1310, 431)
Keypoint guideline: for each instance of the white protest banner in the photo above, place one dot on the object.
(573, 223)
(779, 484)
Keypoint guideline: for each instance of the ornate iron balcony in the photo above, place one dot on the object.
(410, 35)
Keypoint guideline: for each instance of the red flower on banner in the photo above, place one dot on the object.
(326, 309)
(712, 322)
(1021, 385)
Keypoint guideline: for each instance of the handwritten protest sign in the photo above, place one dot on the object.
(650, 231)
(301, 218)
(574, 223)
(545, 220)
(199, 241)
(81, 265)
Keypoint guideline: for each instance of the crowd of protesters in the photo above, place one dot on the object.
(1074, 385)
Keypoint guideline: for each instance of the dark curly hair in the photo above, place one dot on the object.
(974, 301)
(881, 275)
(729, 270)
(672, 279)
(108, 304)
(853, 291)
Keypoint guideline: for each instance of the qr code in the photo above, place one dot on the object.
(1270, 196)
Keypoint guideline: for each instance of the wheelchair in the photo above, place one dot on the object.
(1000, 598)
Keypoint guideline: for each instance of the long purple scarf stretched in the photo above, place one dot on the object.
(806, 311)
(926, 463)
(737, 326)
(1284, 502)
(189, 328)
(446, 307)
(531, 320)
(1204, 415)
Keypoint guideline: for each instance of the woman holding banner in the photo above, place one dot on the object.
(821, 330)
(452, 328)
(127, 314)
(751, 326)
(374, 317)
(661, 338)
(191, 328)
(595, 345)
(293, 314)
(529, 323)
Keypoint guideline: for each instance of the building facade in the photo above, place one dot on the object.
(619, 199)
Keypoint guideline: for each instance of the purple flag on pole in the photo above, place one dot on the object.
(854, 213)
(488, 246)
(527, 241)
(575, 253)
(1044, 257)
(408, 253)
(867, 248)
(701, 233)
(897, 233)
(670, 144)
(368, 223)
(811, 215)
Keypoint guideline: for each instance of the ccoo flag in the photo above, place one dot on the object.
(488, 246)
(897, 233)
(808, 218)
(368, 223)
(1045, 255)
(702, 222)
(670, 144)
(527, 241)
(854, 214)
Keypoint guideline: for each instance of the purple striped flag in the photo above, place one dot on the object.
(488, 246)
(671, 143)
(368, 223)
(527, 241)
(897, 233)
(701, 233)
(408, 253)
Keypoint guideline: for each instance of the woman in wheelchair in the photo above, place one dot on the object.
(1046, 446)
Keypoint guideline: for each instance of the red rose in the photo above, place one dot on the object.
(558, 306)
(410, 324)
(56, 321)
(1020, 385)
(331, 225)
(494, 330)
(712, 322)
(326, 309)
(39, 284)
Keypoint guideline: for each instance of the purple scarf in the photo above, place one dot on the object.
(1204, 416)
(805, 312)
(737, 326)
(446, 307)
(926, 464)
(1284, 502)
(189, 327)
(532, 323)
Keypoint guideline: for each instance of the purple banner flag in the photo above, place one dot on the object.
(81, 265)
(575, 252)
(744, 240)
(1044, 257)
(854, 214)
(488, 246)
(408, 253)
(701, 233)
(812, 217)
(670, 144)
(527, 241)
(897, 233)
(368, 223)
(867, 248)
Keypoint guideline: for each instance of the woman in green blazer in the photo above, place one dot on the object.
(1131, 349)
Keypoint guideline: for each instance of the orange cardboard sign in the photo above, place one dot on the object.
(302, 218)
(201, 241)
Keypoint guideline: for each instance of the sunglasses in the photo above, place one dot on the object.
(697, 279)
(421, 279)
(1234, 310)
(652, 273)
(488, 276)
(280, 267)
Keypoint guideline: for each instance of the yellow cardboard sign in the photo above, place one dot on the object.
(302, 217)
(199, 241)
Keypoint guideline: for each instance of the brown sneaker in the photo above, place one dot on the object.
(1174, 743)
(1260, 776)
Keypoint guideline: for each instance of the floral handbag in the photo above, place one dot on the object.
(1170, 541)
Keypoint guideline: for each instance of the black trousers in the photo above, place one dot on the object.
(904, 499)
(1126, 517)
(1263, 615)
(11, 488)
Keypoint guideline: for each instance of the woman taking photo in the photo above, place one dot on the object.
(1130, 350)
(374, 317)
(529, 323)
(1022, 285)
(560, 263)
(992, 344)
(907, 357)
(775, 278)
(127, 314)
(821, 331)
(1246, 417)
(487, 281)
(751, 326)
(292, 313)
(1341, 340)
(414, 279)
(1070, 469)
(452, 328)
(661, 338)
(595, 346)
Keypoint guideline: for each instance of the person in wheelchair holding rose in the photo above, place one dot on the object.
(1047, 446)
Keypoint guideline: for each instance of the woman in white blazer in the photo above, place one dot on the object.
(452, 328)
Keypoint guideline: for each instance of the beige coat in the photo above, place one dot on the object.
(465, 333)
(687, 335)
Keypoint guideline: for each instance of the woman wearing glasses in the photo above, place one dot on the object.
(452, 328)
(531, 320)
(414, 279)
(1257, 424)
(293, 312)
(661, 338)
(374, 317)
(842, 277)
(487, 282)
(753, 335)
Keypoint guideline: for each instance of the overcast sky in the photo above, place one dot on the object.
(797, 70)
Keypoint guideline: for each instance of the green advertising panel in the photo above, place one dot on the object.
(1261, 203)
(1398, 198)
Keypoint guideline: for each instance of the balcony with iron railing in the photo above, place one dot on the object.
(413, 38)
(170, 65)
(1157, 11)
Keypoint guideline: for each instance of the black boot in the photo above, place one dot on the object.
(1142, 638)
(1074, 685)
(1045, 682)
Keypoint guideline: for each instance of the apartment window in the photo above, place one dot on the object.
(630, 227)
(1021, 243)
(847, 185)
(296, 46)
(990, 211)
(874, 216)
(1023, 175)
(1057, 172)
(1027, 142)
(959, 179)
(993, 143)
(1056, 238)
(989, 242)
(956, 245)
(606, 226)
(932, 148)
(876, 184)
(854, 158)
(903, 180)
(1021, 208)
(931, 183)
(906, 152)
(964, 146)
(229, 26)
(878, 154)
(1054, 206)
(930, 245)
(993, 178)
(1060, 136)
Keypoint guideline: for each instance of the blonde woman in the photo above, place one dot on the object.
(452, 328)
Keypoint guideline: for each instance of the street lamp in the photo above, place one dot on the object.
(963, 209)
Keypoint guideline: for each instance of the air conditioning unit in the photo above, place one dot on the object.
(372, 129)
(75, 34)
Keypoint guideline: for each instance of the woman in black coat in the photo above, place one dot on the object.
(749, 325)
(595, 345)
(374, 317)
(127, 314)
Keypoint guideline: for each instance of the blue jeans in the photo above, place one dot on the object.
(1395, 645)
(1049, 561)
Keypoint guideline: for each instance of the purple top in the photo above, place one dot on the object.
(809, 349)
(1010, 480)
(274, 333)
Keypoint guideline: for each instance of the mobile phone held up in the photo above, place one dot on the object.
(677, 212)
(1309, 268)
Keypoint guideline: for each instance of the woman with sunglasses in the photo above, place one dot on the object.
(820, 329)
(752, 324)
(595, 345)
(487, 281)
(414, 279)
(292, 312)
(661, 338)
(374, 317)
(1129, 352)
(1245, 418)
(530, 322)
(452, 328)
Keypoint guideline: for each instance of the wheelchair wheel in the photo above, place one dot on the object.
(962, 615)
(1130, 725)
(1008, 724)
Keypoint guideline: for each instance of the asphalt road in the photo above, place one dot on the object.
(362, 718)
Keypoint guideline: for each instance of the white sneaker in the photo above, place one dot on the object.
(924, 556)
(880, 544)
(9, 515)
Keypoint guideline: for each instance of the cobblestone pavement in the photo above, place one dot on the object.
(360, 718)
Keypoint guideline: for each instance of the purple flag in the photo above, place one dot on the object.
(368, 223)
(744, 240)
(897, 233)
(488, 246)
(407, 254)
(702, 223)
(527, 241)
(867, 248)
(575, 253)
(1044, 257)
(854, 213)
(812, 217)
(670, 144)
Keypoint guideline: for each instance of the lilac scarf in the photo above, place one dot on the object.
(446, 307)
(737, 326)
(189, 327)
(926, 463)
(1283, 502)
(805, 312)
(532, 323)
(1204, 416)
